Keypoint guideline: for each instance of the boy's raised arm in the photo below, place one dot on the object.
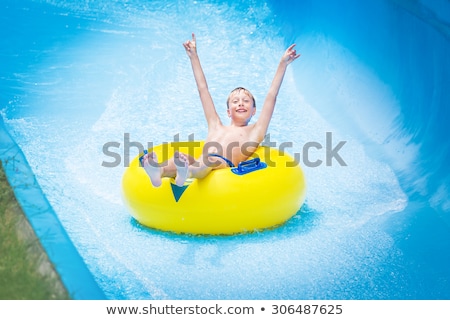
(269, 104)
(211, 115)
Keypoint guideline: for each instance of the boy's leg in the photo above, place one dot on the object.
(189, 167)
(169, 169)
(153, 169)
(181, 162)
(173, 168)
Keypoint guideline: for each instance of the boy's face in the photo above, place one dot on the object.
(241, 106)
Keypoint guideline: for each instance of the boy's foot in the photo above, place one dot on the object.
(150, 164)
(182, 164)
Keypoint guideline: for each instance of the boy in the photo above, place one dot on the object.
(232, 138)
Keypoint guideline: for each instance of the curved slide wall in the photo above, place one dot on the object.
(407, 45)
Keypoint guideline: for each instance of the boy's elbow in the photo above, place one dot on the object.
(202, 88)
(203, 92)
(272, 95)
(271, 98)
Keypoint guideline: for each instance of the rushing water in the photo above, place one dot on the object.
(80, 74)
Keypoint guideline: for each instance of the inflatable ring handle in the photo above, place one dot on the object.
(249, 166)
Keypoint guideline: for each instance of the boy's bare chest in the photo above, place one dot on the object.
(234, 143)
(231, 135)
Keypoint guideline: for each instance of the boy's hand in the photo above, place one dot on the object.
(290, 55)
(190, 46)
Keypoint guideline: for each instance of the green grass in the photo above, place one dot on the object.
(25, 271)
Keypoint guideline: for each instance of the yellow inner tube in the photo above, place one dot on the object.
(221, 203)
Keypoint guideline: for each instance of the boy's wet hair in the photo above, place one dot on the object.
(245, 91)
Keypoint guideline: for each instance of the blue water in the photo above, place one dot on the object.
(78, 74)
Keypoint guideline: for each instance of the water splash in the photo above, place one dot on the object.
(135, 79)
